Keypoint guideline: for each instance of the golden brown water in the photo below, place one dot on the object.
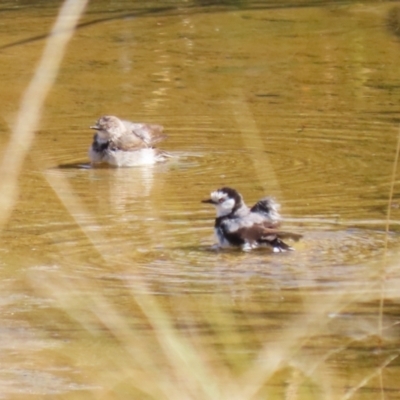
(110, 289)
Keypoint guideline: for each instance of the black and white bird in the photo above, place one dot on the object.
(126, 144)
(238, 225)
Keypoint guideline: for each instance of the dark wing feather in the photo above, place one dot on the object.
(235, 238)
(263, 206)
(260, 234)
(268, 208)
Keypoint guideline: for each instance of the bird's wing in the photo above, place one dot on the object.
(148, 133)
(271, 233)
(127, 142)
(268, 208)
(240, 232)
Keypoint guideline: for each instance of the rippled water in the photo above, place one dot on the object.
(295, 101)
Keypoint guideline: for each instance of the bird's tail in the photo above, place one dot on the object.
(279, 246)
(289, 235)
(276, 242)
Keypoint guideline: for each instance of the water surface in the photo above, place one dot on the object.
(110, 287)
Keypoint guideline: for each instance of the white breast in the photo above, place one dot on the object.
(120, 158)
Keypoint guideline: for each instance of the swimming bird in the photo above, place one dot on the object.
(238, 225)
(126, 144)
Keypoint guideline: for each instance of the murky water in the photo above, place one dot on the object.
(110, 288)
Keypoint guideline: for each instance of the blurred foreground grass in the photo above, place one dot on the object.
(194, 349)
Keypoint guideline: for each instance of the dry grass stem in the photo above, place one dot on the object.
(372, 375)
(33, 101)
(387, 228)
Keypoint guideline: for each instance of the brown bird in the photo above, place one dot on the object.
(126, 144)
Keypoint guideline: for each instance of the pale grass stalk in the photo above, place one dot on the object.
(350, 393)
(387, 228)
(32, 103)
(317, 372)
(381, 384)
(77, 210)
(192, 376)
(136, 366)
(272, 357)
(291, 393)
(189, 376)
(197, 377)
(252, 141)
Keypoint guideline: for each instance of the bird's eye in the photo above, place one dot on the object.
(221, 200)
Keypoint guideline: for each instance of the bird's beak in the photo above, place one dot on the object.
(209, 201)
(94, 127)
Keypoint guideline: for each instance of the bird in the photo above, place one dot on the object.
(126, 144)
(248, 228)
